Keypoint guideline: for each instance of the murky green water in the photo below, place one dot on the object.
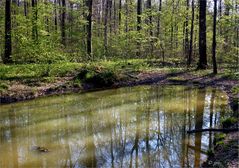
(129, 127)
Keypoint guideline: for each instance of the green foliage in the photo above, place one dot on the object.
(219, 139)
(210, 153)
(97, 75)
(3, 87)
(235, 90)
(228, 122)
(10, 72)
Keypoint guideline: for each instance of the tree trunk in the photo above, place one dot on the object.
(149, 7)
(25, 7)
(214, 38)
(55, 13)
(158, 22)
(127, 16)
(106, 28)
(63, 17)
(89, 4)
(8, 42)
(202, 64)
(191, 36)
(186, 31)
(34, 21)
(120, 10)
(139, 27)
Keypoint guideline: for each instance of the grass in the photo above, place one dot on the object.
(13, 72)
(104, 72)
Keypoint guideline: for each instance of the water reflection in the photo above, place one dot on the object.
(129, 127)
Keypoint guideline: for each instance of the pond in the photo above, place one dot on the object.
(143, 126)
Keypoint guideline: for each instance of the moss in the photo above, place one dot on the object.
(228, 122)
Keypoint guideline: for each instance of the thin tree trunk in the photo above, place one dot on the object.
(63, 17)
(120, 10)
(139, 27)
(106, 28)
(149, 6)
(158, 22)
(127, 16)
(186, 31)
(55, 13)
(89, 27)
(25, 7)
(214, 38)
(191, 36)
(34, 20)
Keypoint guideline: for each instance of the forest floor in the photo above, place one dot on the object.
(24, 82)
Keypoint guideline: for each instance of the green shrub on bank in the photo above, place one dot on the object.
(228, 122)
(97, 75)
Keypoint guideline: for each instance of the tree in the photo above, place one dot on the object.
(89, 4)
(214, 38)
(106, 28)
(63, 17)
(191, 37)
(34, 20)
(149, 7)
(139, 20)
(8, 42)
(120, 10)
(202, 64)
(186, 29)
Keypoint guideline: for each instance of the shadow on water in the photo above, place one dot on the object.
(141, 126)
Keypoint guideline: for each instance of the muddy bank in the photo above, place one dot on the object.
(20, 91)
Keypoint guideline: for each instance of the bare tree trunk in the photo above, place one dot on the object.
(8, 34)
(55, 13)
(214, 38)
(149, 7)
(139, 21)
(106, 28)
(89, 4)
(127, 15)
(34, 21)
(63, 17)
(114, 17)
(25, 7)
(202, 64)
(191, 37)
(186, 31)
(120, 10)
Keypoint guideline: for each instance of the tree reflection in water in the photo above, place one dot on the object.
(129, 127)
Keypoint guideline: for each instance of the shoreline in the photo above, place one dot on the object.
(144, 78)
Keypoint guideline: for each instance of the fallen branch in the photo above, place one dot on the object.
(225, 130)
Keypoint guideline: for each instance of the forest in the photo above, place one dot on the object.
(123, 83)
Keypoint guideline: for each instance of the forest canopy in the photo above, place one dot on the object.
(47, 31)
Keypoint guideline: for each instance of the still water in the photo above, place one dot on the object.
(141, 126)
